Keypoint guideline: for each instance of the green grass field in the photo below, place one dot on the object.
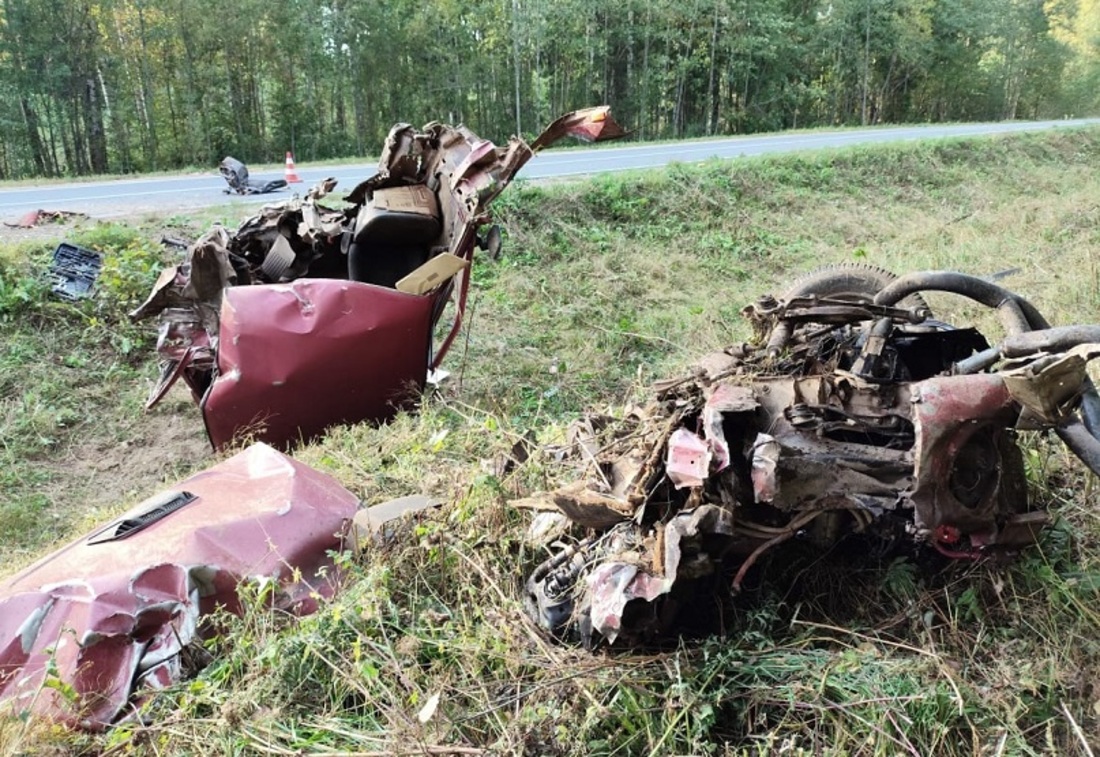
(603, 286)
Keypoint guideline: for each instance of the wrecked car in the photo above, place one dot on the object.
(853, 411)
(309, 316)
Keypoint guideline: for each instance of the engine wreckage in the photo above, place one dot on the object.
(854, 411)
(310, 316)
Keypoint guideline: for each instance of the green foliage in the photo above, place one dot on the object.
(140, 85)
(131, 263)
(59, 362)
(20, 289)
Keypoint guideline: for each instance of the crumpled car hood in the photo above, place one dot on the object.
(85, 627)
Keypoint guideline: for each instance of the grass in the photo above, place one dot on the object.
(603, 286)
(72, 377)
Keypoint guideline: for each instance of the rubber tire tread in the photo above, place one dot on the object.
(840, 279)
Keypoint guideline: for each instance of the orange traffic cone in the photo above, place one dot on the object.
(291, 171)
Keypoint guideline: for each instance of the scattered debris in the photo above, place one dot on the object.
(854, 412)
(175, 242)
(85, 630)
(308, 316)
(73, 271)
(377, 524)
(34, 218)
(236, 176)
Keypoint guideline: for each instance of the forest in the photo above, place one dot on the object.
(122, 86)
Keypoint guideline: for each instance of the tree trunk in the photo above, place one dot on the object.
(712, 95)
(515, 63)
(866, 65)
(38, 152)
(93, 127)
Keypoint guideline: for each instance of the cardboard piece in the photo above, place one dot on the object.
(432, 274)
(411, 199)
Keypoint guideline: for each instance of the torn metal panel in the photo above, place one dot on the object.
(677, 555)
(627, 564)
(688, 461)
(411, 228)
(1049, 386)
(851, 413)
(589, 125)
(83, 629)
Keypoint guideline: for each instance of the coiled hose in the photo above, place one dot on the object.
(1028, 332)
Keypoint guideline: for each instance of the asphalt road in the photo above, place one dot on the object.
(166, 194)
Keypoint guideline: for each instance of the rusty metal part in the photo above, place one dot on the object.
(848, 282)
(967, 469)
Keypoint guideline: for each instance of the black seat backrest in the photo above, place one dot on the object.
(394, 232)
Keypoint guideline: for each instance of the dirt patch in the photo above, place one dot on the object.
(154, 448)
(111, 467)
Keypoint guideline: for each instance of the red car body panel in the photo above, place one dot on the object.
(296, 358)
